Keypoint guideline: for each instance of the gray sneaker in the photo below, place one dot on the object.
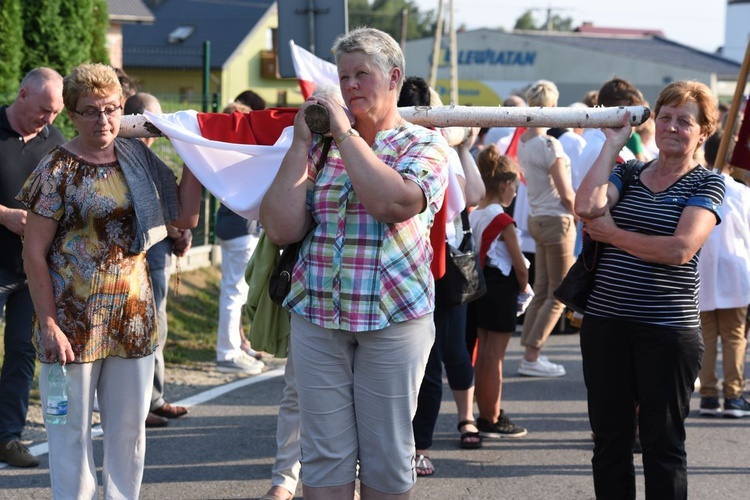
(15, 453)
(241, 364)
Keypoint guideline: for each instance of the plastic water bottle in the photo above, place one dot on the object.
(57, 399)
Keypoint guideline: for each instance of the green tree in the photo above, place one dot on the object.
(99, 29)
(43, 35)
(557, 23)
(63, 33)
(77, 17)
(525, 22)
(11, 39)
(387, 15)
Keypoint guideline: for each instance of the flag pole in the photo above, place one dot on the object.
(471, 116)
(454, 56)
(739, 90)
(436, 44)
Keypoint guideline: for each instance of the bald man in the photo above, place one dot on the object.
(26, 136)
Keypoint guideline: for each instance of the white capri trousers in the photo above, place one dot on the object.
(123, 388)
(357, 397)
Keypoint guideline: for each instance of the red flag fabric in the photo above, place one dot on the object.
(237, 170)
(512, 150)
(437, 241)
(311, 70)
(257, 127)
(491, 233)
(741, 153)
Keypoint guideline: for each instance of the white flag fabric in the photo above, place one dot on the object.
(238, 175)
(311, 70)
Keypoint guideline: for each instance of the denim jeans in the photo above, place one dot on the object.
(18, 364)
(628, 365)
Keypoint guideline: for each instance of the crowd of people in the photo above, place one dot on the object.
(90, 226)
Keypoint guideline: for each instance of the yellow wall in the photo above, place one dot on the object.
(243, 70)
(174, 86)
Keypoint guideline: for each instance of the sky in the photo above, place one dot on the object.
(696, 24)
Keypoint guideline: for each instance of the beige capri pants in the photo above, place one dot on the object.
(357, 397)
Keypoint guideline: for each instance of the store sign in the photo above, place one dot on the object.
(490, 57)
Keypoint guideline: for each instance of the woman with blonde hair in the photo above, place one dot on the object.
(552, 224)
(96, 204)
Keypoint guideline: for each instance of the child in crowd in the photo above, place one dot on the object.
(506, 273)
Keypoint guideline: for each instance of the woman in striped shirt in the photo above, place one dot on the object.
(641, 335)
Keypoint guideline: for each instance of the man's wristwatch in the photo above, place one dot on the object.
(346, 135)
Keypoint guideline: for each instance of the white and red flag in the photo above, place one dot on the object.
(311, 70)
(235, 156)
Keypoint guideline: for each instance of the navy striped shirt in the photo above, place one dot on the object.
(632, 289)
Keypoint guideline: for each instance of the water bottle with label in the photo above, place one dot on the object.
(57, 399)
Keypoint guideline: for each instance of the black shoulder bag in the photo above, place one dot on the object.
(463, 280)
(575, 288)
(280, 281)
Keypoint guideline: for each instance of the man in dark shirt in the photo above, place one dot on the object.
(26, 136)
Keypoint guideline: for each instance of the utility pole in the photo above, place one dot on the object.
(548, 24)
(436, 45)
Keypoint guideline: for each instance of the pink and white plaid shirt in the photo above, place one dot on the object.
(355, 273)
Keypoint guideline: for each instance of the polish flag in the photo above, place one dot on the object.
(312, 70)
(235, 156)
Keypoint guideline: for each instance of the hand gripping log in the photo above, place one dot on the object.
(462, 116)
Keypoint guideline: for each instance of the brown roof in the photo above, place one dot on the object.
(129, 11)
(590, 29)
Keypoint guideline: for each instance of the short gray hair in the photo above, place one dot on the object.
(378, 45)
(38, 78)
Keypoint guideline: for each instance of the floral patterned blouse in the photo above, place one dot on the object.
(105, 303)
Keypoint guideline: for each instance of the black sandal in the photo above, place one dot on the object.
(469, 440)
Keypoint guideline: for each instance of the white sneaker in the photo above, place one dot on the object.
(241, 364)
(542, 367)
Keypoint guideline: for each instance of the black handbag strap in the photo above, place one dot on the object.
(324, 154)
(629, 169)
(467, 240)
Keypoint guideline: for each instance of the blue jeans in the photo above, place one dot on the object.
(628, 365)
(18, 364)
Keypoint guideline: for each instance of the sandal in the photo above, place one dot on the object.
(469, 440)
(424, 466)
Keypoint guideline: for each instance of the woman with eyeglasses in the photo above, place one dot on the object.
(96, 204)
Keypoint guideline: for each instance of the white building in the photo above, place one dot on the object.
(737, 29)
(494, 64)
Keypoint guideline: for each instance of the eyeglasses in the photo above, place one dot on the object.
(93, 113)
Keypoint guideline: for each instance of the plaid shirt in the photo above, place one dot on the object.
(355, 273)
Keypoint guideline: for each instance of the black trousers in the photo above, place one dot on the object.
(628, 364)
(449, 349)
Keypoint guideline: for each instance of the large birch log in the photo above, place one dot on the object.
(472, 116)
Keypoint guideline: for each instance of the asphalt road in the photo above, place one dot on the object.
(225, 447)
